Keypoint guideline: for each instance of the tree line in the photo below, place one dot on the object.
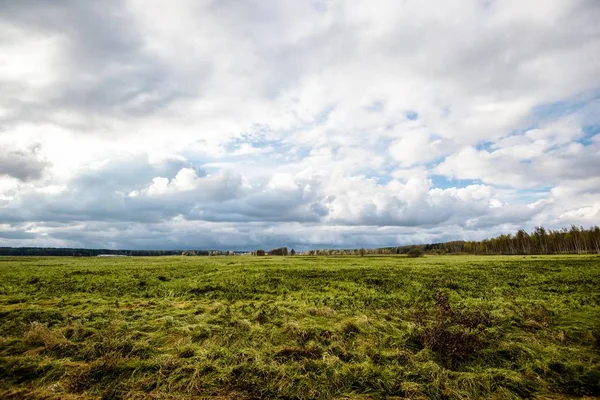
(69, 252)
(280, 251)
(576, 240)
(50, 251)
(573, 240)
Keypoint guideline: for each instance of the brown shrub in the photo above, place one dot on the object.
(454, 334)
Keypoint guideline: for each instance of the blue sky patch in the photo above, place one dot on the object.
(412, 115)
(588, 134)
(444, 182)
(562, 108)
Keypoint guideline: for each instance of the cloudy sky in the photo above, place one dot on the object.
(318, 123)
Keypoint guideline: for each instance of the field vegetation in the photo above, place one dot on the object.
(441, 327)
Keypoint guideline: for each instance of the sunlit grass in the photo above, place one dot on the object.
(300, 327)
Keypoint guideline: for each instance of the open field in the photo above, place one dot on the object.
(300, 327)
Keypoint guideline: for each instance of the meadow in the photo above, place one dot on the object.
(440, 327)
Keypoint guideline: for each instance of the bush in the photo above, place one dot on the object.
(455, 334)
(415, 252)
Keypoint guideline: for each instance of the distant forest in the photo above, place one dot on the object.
(42, 251)
(574, 240)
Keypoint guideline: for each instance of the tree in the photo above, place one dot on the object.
(415, 252)
(260, 252)
(293, 252)
(281, 251)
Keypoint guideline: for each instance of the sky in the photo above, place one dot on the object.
(308, 124)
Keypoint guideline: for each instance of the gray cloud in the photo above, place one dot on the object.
(21, 164)
(103, 70)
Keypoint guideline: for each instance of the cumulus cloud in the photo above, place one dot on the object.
(328, 123)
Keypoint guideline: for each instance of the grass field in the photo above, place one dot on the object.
(454, 327)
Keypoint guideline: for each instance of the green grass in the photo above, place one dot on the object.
(455, 327)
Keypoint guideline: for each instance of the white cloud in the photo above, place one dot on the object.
(415, 147)
(29, 62)
(315, 123)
